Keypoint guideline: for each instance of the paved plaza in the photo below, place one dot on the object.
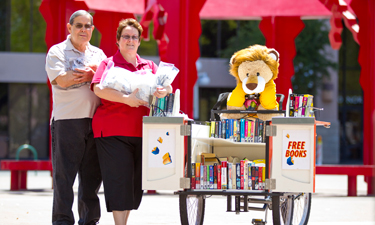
(330, 205)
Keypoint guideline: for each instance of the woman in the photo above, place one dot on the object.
(117, 126)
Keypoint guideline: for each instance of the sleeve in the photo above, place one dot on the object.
(268, 96)
(98, 74)
(154, 67)
(237, 97)
(55, 64)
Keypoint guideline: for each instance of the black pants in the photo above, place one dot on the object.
(74, 151)
(121, 164)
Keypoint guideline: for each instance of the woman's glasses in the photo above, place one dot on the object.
(127, 37)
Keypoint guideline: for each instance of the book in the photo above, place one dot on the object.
(227, 133)
(205, 177)
(253, 177)
(235, 127)
(246, 130)
(211, 176)
(231, 127)
(218, 176)
(215, 175)
(256, 178)
(245, 175)
(260, 134)
(250, 183)
(170, 104)
(291, 105)
(224, 175)
(219, 129)
(304, 105)
(300, 105)
(260, 177)
(202, 177)
(230, 185)
(242, 132)
(212, 130)
(296, 105)
(197, 175)
(193, 183)
(223, 128)
(216, 129)
(238, 176)
(242, 174)
(233, 175)
(309, 104)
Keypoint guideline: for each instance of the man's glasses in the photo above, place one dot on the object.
(80, 25)
(127, 37)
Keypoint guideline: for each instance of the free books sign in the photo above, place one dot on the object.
(296, 149)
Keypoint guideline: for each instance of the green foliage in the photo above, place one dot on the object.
(312, 60)
(26, 31)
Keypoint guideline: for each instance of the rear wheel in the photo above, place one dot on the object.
(192, 209)
(301, 208)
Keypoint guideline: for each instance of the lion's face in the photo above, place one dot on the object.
(254, 75)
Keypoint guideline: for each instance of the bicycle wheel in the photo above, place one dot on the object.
(282, 210)
(293, 209)
(192, 209)
(301, 208)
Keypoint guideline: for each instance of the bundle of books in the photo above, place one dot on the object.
(243, 175)
(241, 130)
(162, 107)
(300, 105)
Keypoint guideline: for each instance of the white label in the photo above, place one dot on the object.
(296, 152)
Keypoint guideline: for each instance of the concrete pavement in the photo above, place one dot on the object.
(330, 205)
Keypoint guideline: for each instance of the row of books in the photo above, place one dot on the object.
(244, 175)
(301, 105)
(162, 107)
(241, 130)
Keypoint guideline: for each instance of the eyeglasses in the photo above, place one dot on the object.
(80, 25)
(127, 37)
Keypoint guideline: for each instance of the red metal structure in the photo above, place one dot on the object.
(177, 29)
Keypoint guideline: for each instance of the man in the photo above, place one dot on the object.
(70, 66)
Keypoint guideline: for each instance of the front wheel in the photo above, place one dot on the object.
(192, 209)
(291, 209)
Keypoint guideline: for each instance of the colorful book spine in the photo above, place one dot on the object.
(252, 130)
(253, 177)
(219, 129)
(246, 131)
(205, 177)
(242, 133)
(242, 162)
(216, 129)
(212, 130)
(211, 177)
(304, 105)
(250, 183)
(197, 175)
(291, 105)
(224, 175)
(300, 105)
(231, 127)
(218, 176)
(238, 131)
(202, 177)
(235, 127)
(264, 178)
(260, 168)
(256, 178)
(227, 133)
(260, 135)
(238, 176)
(245, 176)
(230, 185)
(296, 105)
(310, 112)
(223, 128)
(192, 186)
(215, 175)
(256, 132)
(170, 104)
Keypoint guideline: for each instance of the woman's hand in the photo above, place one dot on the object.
(133, 101)
(160, 92)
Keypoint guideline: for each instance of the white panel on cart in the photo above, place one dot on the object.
(293, 154)
(162, 153)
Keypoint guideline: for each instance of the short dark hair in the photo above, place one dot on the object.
(80, 13)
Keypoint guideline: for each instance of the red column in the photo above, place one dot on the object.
(183, 29)
(280, 33)
(107, 23)
(364, 9)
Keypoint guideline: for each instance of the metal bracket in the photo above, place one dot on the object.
(270, 130)
(185, 130)
(270, 184)
(185, 182)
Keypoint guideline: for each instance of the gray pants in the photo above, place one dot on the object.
(74, 151)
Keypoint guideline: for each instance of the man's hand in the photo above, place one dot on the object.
(83, 75)
(133, 101)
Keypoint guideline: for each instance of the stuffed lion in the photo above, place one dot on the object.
(255, 69)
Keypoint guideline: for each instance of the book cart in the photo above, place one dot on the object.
(171, 145)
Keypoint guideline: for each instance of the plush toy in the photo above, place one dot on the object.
(255, 69)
